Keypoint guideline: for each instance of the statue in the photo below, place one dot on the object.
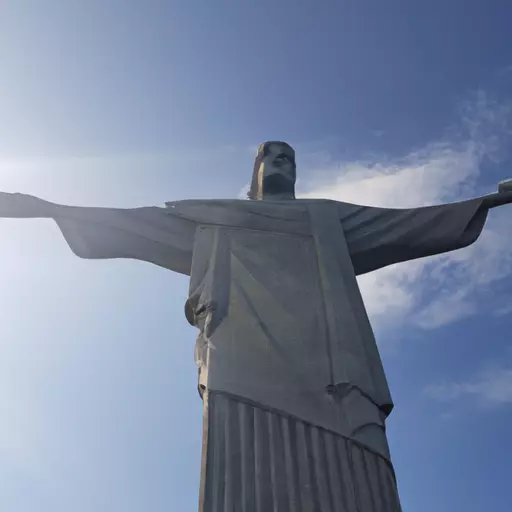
(294, 394)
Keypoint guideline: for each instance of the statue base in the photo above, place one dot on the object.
(257, 460)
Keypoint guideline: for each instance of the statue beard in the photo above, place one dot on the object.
(277, 184)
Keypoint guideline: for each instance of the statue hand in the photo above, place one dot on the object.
(24, 206)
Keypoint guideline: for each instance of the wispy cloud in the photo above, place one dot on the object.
(432, 292)
(491, 387)
(504, 310)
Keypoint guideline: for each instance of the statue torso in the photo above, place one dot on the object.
(274, 294)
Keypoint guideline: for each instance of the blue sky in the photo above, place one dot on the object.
(111, 103)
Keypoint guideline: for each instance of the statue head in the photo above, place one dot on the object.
(274, 172)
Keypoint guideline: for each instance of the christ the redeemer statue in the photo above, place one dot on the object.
(294, 394)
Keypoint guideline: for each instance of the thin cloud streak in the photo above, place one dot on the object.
(489, 388)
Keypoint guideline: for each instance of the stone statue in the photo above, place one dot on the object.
(294, 394)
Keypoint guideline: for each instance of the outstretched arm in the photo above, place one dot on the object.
(378, 237)
(500, 198)
(25, 206)
(156, 235)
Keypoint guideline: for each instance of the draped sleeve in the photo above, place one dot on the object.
(156, 235)
(378, 237)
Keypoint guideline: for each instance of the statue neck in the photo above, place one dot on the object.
(278, 197)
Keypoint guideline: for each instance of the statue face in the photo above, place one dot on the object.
(278, 159)
(275, 172)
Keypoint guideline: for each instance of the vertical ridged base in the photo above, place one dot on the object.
(255, 460)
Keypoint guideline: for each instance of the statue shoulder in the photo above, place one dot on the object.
(209, 211)
(242, 213)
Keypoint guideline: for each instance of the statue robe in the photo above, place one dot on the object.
(274, 294)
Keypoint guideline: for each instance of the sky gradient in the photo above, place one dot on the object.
(111, 103)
